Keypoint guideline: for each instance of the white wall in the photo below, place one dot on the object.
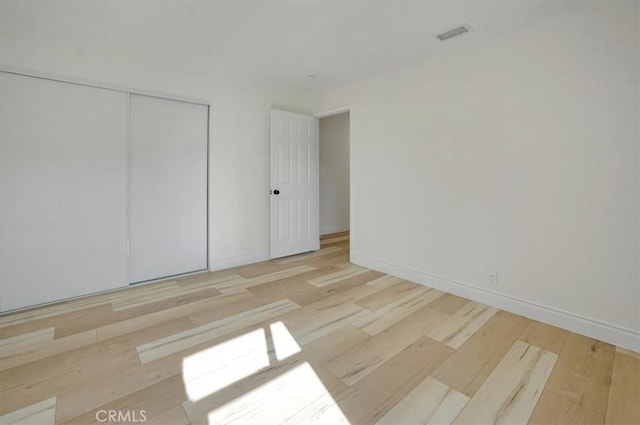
(512, 151)
(239, 126)
(334, 173)
(516, 153)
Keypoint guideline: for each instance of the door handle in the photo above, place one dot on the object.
(276, 192)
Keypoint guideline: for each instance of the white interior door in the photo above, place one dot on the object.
(294, 184)
(63, 159)
(168, 188)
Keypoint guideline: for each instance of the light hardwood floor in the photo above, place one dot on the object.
(304, 339)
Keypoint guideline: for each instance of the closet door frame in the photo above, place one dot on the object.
(80, 81)
(10, 69)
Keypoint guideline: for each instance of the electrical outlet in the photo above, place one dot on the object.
(493, 279)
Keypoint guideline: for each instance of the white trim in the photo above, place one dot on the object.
(80, 81)
(208, 184)
(607, 332)
(241, 260)
(334, 228)
(128, 190)
(334, 111)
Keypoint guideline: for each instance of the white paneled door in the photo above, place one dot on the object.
(294, 184)
(168, 188)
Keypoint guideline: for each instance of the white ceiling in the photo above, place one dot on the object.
(285, 41)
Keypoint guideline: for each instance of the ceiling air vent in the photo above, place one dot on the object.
(453, 33)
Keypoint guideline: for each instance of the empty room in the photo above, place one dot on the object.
(321, 212)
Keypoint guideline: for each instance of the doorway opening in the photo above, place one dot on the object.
(334, 171)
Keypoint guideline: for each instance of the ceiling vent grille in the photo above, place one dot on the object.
(453, 33)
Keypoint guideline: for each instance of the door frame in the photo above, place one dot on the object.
(329, 113)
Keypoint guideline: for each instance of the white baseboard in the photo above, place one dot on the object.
(227, 263)
(333, 228)
(613, 334)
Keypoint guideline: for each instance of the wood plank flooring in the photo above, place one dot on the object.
(303, 339)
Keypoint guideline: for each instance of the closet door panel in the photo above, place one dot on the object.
(63, 150)
(168, 188)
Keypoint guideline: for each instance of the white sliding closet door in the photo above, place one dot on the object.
(168, 188)
(63, 159)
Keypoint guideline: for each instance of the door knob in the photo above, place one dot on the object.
(276, 192)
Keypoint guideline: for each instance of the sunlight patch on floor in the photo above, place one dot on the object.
(296, 396)
(284, 343)
(212, 369)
